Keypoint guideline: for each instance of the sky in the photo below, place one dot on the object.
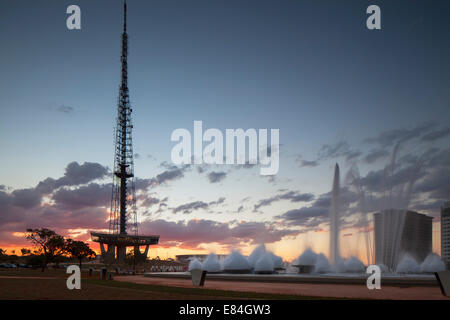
(338, 93)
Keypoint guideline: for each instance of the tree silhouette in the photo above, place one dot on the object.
(78, 250)
(3, 255)
(49, 243)
(25, 252)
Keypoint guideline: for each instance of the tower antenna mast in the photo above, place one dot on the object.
(123, 200)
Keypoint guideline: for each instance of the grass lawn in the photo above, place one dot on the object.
(51, 284)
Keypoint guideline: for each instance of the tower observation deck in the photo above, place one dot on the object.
(123, 226)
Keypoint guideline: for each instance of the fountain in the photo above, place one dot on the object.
(396, 231)
(396, 261)
(212, 264)
(236, 263)
(194, 265)
(355, 181)
(264, 265)
(334, 218)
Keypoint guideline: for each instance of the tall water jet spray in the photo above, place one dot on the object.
(355, 180)
(389, 178)
(334, 218)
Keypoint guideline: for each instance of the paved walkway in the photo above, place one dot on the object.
(26, 277)
(304, 289)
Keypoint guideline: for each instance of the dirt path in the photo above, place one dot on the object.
(304, 289)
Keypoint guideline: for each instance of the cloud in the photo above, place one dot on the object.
(425, 132)
(169, 175)
(198, 231)
(293, 196)
(215, 177)
(63, 215)
(143, 184)
(436, 135)
(392, 137)
(72, 201)
(74, 175)
(191, 206)
(9, 211)
(218, 201)
(26, 198)
(375, 155)
(271, 179)
(307, 163)
(92, 195)
(307, 217)
(23, 206)
(331, 151)
(417, 180)
(439, 158)
(148, 200)
(248, 165)
(434, 205)
(436, 183)
(352, 154)
(172, 173)
(318, 212)
(339, 149)
(65, 109)
(83, 218)
(196, 205)
(201, 168)
(412, 175)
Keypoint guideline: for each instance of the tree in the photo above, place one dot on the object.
(50, 243)
(3, 255)
(25, 252)
(78, 250)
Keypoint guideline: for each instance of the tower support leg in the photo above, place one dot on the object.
(137, 252)
(110, 254)
(102, 249)
(121, 254)
(146, 251)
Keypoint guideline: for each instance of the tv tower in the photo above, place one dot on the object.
(123, 200)
(123, 227)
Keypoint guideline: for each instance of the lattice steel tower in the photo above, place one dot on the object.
(123, 200)
(123, 230)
